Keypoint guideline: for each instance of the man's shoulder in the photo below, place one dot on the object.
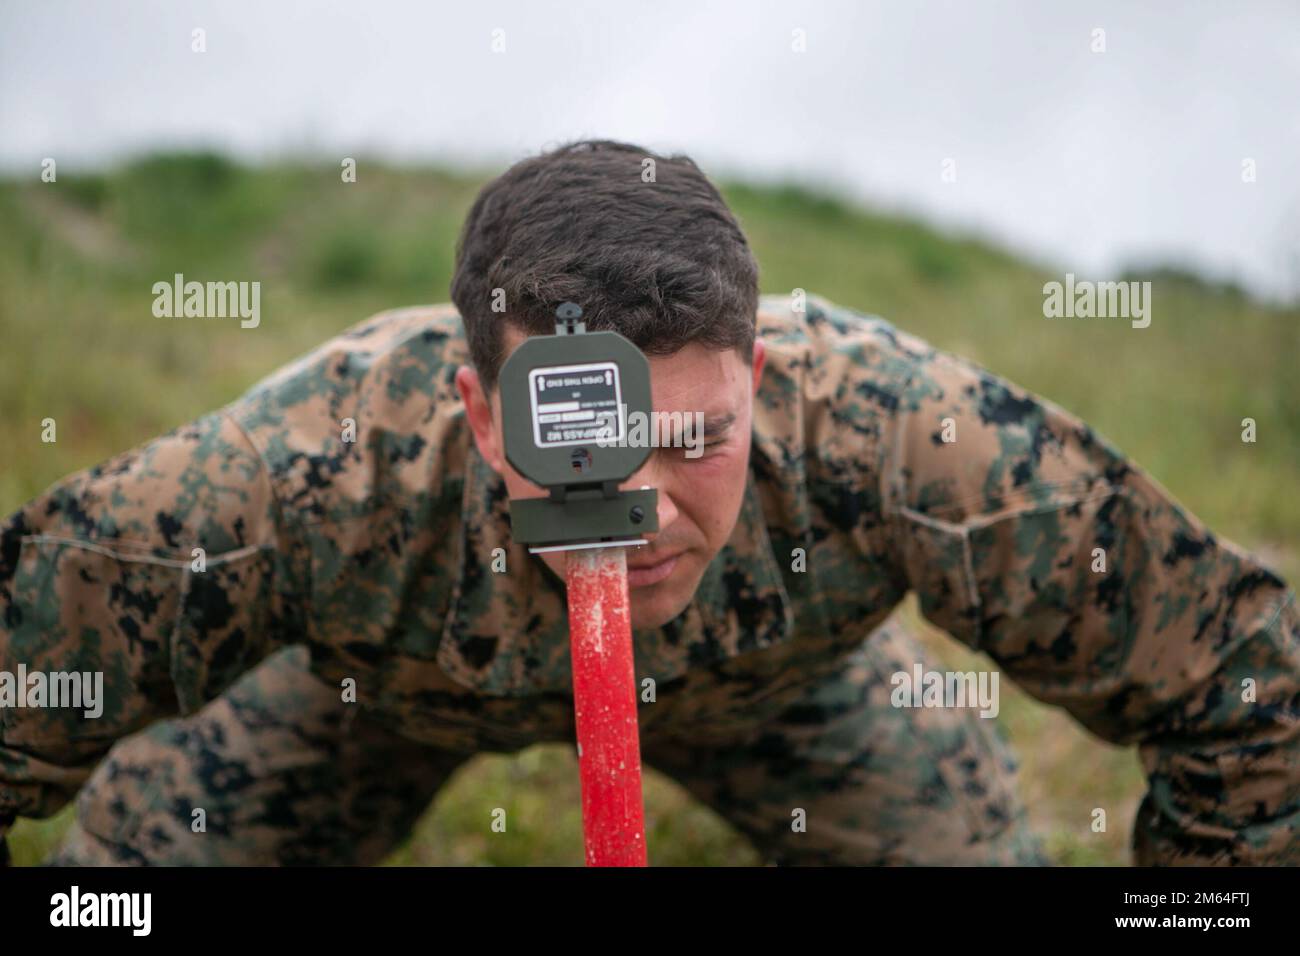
(829, 368)
(828, 347)
(373, 347)
(370, 412)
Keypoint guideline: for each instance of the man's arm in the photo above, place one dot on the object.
(153, 576)
(1028, 537)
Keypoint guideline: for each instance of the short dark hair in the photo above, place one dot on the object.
(664, 263)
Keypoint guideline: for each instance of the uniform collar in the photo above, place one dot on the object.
(506, 633)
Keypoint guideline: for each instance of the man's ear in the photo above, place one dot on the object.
(478, 410)
(760, 356)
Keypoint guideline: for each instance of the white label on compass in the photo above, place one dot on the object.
(575, 404)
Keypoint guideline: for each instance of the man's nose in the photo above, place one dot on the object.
(653, 475)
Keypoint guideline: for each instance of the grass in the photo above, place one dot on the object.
(78, 259)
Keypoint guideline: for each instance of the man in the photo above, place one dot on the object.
(320, 582)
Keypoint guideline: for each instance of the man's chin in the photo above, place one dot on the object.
(652, 611)
(654, 606)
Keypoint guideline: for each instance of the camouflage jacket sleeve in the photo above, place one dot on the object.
(154, 573)
(1028, 537)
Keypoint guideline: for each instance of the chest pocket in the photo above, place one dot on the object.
(507, 632)
(160, 631)
(378, 586)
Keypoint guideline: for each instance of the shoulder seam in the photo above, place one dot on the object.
(266, 467)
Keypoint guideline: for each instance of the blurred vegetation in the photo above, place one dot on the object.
(78, 259)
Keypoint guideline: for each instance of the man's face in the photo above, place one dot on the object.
(700, 489)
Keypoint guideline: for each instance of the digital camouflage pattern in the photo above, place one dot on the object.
(879, 465)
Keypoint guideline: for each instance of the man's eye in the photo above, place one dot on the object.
(699, 451)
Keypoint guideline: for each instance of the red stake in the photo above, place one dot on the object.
(604, 703)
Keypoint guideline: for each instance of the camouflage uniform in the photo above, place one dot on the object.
(773, 689)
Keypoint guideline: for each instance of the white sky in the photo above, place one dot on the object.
(1084, 161)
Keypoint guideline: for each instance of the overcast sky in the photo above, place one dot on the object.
(1085, 160)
